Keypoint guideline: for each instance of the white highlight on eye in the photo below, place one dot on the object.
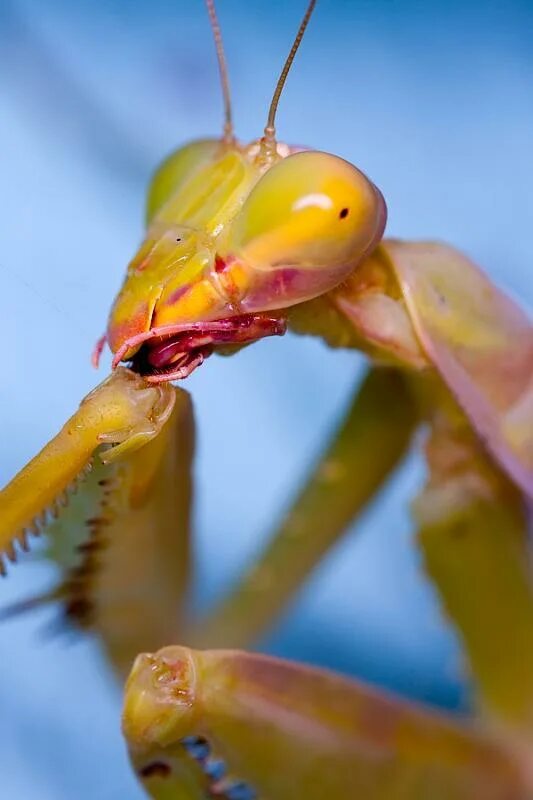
(313, 199)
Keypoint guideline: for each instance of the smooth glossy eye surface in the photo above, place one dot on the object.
(310, 210)
(176, 169)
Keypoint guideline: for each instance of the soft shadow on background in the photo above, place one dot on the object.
(433, 101)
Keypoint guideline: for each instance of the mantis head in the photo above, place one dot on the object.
(236, 235)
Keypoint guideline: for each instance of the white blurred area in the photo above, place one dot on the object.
(433, 101)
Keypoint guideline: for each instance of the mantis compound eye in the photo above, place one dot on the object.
(181, 165)
(304, 227)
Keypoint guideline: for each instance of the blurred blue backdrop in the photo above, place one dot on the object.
(433, 101)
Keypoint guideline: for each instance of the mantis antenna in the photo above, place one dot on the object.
(223, 69)
(270, 128)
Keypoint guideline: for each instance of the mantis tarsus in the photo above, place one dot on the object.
(243, 241)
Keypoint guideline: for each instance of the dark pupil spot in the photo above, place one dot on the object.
(343, 213)
(178, 240)
(158, 768)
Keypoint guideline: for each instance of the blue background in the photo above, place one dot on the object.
(433, 101)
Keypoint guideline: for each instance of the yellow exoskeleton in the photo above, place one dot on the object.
(244, 241)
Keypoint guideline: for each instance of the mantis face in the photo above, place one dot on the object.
(235, 236)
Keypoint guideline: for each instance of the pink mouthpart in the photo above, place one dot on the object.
(183, 347)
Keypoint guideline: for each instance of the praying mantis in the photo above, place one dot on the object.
(243, 241)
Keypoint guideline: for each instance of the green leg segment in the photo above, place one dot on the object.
(473, 534)
(367, 447)
(122, 540)
(259, 728)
